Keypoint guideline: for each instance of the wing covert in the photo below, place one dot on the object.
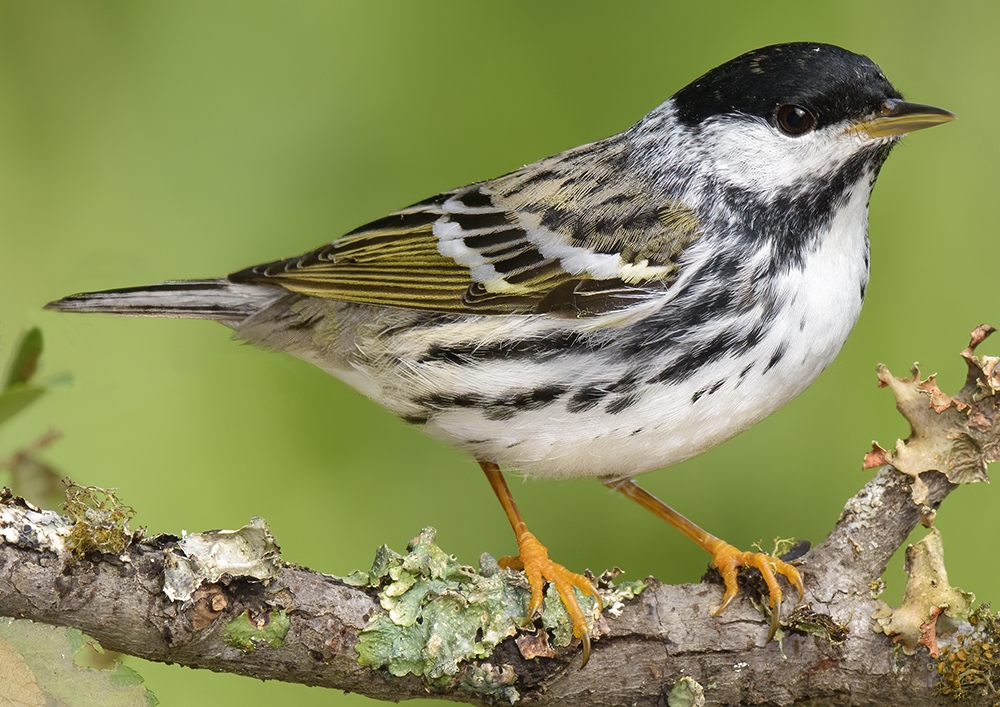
(566, 236)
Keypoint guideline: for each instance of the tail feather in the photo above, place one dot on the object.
(219, 300)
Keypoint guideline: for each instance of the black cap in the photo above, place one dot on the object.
(833, 83)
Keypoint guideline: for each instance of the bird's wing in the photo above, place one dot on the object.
(575, 235)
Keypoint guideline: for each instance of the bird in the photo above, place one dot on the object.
(616, 308)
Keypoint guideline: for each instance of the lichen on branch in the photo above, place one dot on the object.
(955, 435)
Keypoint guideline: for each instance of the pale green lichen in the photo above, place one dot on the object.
(496, 682)
(249, 634)
(441, 614)
(686, 692)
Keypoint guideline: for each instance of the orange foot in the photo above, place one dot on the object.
(534, 560)
(724, 556)
(727, 559)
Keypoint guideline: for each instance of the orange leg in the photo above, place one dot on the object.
(533, 558)
(725, 557)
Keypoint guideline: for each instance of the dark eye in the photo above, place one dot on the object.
(794, 120)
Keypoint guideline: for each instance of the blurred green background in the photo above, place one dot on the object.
(141, 142)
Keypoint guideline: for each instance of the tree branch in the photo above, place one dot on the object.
(666, 633)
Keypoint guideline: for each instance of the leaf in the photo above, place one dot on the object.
(37, 668)
(17, 392)
(17, 683)
(25, 361)
(16, 398)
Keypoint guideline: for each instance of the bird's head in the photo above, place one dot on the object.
(788, 115)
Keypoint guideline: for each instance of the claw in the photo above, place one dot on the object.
(775, 621)
(539, 569)
(727, 559)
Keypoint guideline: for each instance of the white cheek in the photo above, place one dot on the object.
(754, 155)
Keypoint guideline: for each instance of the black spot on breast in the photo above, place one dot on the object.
(794, 217)
(441, 401)
(707, 390)
(802, 322)
(447, 355)
(743, 374)
(540, 397)
(703, 301)
(467, 400)
(502, 407)
(499, 413)
(684, 366)
(626, 383)
(752, 338)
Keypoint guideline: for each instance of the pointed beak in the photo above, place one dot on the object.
(899, 117)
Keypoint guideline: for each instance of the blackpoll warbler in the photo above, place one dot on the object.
(617, 308)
